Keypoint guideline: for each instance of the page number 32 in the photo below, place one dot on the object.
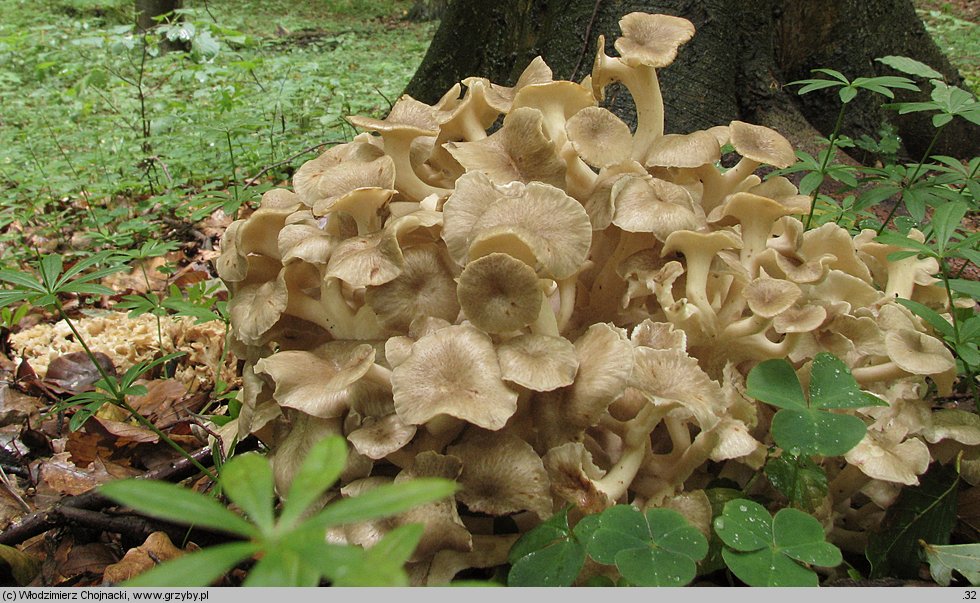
(970, 594)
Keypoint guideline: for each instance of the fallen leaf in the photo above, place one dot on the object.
(17, 408)
(89, 560)
(156, 549)
(75, 372)
(127, 432)
(166, 402)
(59, 476)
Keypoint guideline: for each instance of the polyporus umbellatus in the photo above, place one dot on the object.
(563, 311)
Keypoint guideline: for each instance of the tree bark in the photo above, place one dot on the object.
(735, 67)
(148, 13)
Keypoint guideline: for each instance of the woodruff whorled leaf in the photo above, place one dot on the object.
(804, 426)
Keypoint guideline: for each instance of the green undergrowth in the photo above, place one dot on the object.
(106, 140)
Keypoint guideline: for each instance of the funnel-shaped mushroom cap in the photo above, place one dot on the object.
(373, 259)
(761, 144)
(538, 362)
(659, 336)
(501, 97)
(599, 205)
(407, 115)
(316, 382)
(424, 287)
(255, 308)
(444, 531)
(768, 297)
(502, 474)
(364, 205)
(499, 293)
(305, 242)
(453, 371)
(342, 169)
(653, 205)
(684, 150)
(232, 264)
(834, 240)
(652, 40)
(918, 353)
(599, 137)
(377, 437)
(885, 457)
(553, 226)
(474, 193)
(605, 361)
(802, 319)
(573, 475)
(520, 151)
(557, 102)
(672, 375)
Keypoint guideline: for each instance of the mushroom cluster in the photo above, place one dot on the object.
(512, 289)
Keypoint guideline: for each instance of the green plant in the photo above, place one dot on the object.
(766, 550)
(291, 548)
(44, 291)
(656, 548)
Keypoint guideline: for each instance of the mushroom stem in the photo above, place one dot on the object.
(566, 300)
(742, 170)
(849, 540)
(407, 180)
(713, 186)
(644, 87)
(746, 326)
(888, 371)
(546, 323)
(379, 375)
(579, 178)
(615, 483)
(846, 484)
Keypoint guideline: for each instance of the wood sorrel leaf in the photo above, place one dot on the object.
(775, 382)
(799, 479)
(656, 548)
(549, 555)
(762, 550)
(833, 386)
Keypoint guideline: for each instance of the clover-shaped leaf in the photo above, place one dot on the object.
(805, 426)
(762, 550)
(552, 554)
(656, 548)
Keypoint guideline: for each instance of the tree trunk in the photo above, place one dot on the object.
(148, 13)
(735, 67)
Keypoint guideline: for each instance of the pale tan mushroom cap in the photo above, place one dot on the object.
(761, 144)
(377, 437)
(519, 151)
(599, 137)
(652, 40)
(407, 114)
(573, 474)
(373, 259)
(768, 297)
(886, 458)
(684, 150)
(538, 362)
(499, 293)
(653, 205)
(444, 531)
(918, 353)
(605, 363)
(659, 336)
(502, 474)
(800, 319)
(453, 371)
(502, 97)
(673, 375)
(256, 308)
(424, 287)
(474, 194)
(316, 382)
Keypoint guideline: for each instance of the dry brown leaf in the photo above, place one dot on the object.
(59, 476)
(16, 408)
(75, 372)
(156, 549)
(87, 560)
(165, 402)
(127, 432)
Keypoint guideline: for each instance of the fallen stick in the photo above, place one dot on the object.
(61, 512)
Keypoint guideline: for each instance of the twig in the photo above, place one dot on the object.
(586, 38)
(10, 490)
(54, 516)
